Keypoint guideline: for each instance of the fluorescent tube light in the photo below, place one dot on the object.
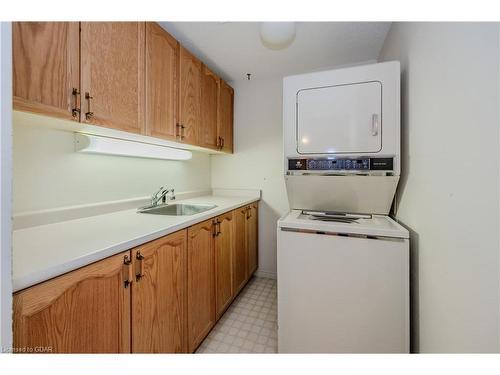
(94, 144)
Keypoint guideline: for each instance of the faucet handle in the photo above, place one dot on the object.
(160, 194)
(157, 192)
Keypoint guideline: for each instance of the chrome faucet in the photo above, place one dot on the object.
(161, 195)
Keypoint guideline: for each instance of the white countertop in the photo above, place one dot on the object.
(45, 251)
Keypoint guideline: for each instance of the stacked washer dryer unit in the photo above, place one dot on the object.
(343, 263)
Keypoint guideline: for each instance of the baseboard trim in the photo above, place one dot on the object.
(266, 274)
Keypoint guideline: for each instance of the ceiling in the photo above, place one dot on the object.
(233, 49)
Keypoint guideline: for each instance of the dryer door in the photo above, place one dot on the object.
(340, 119)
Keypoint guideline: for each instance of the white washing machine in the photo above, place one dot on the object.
(343, 285)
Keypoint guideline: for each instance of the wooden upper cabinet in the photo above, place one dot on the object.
(83, 311)
(112, 74)
(224, 243)
(201, 282)
(225, 122)
(128, 76)
(209, 109)
(190, 73)
(240, 265)
(159, 310)
(46, 68)
(252, 238)
(162, 70)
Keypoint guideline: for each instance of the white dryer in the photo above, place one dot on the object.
(341, 133)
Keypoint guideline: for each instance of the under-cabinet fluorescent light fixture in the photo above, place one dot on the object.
(94, 144)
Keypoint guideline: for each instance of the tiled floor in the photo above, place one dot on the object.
(249, 324)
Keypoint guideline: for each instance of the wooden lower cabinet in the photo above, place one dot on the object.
(240, 271)
(162, 297)
(201, 282)
(252, 238)
(159, 295)
(245, 245)
(224, 243)
(83, 311)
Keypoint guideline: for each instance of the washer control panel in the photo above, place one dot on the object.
(343, 164)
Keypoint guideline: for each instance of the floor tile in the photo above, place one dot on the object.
(250, 324)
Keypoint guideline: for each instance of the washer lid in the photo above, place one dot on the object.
(378, 225)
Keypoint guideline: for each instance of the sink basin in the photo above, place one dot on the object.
(177, 209)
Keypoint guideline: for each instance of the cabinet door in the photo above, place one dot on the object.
(224, 243)
(83, 311)
(112, 74)
(225, 129)
(201, 282)
(240, 267)
(189, 96)
(46, 68)
(252, 238)
(209, 108)
(162, 62)
(159, 295)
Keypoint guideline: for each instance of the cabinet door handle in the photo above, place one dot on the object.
(177, 131)
(139, 274)
(222, 142)
(126, 271)
(218, 227)
(89, 114)
(218, 142)
(214, 228)
(75, 111)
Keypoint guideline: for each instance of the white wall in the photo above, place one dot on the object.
(257, 161)
(449, 192)
(5, 186)
(49, 174)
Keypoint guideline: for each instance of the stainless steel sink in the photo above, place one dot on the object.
(176, 209)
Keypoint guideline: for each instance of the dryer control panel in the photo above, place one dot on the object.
(342, 164)
(343, 121)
